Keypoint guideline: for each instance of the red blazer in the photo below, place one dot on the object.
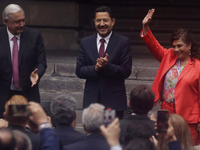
(187, 90)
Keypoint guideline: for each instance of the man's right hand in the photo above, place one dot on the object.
(101, 62)
(38, 115)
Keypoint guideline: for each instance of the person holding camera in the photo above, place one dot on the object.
(17, 119)
(49, 140)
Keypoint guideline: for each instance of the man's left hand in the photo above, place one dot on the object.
(34, 77)
(103, 61)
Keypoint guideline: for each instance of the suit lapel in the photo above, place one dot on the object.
(93, 49)
(21, 47)
(111, 44)
(6, 44)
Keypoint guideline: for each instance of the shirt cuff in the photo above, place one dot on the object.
(116, 147)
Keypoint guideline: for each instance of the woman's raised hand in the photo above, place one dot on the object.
(146, 20)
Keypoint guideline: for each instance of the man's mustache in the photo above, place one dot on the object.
(102, 27)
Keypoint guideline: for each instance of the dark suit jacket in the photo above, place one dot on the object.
(67, 135)
(49, 140)
(139, 126)
(108, 83)
(91, 142)
(31, 56)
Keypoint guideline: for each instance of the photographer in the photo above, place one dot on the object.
(17, 119)
(49, 140)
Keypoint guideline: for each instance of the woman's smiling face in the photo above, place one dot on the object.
(181, 49)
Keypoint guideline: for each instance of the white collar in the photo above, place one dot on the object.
(106, 38)
(10, 35)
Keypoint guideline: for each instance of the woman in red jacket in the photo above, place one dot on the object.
(177, 83)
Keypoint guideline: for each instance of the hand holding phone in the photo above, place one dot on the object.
(162, 121)
(109, 116)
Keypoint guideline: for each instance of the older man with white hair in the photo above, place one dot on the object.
(22, 57)
(92, 118)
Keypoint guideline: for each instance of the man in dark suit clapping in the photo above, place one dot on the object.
(105, 61)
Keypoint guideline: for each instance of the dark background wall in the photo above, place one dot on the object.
(64, 22)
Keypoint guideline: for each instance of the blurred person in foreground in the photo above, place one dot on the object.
(112, 132)
(19, 122)
(92, 119)
(140, 102)
(176, 85)
(23, 141)
(181, 132)
(63, 109)
(49, 140)
(7, 140)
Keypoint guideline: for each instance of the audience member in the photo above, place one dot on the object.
(19, 122)
(181, 131)
(49, 140)
(92, 119)
(63, 109)
(112, 136)
(112, 133)
(141, 101)
(23, 141)
(7, 140)
(3, 123)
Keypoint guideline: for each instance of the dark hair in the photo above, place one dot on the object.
(140, 144)
(63, 109)
(104, 9)
(187, 37)
(141, 99)
(138, 131)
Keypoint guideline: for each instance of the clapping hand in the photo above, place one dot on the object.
(34, 77)
(101, 62)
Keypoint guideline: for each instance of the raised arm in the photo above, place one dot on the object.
(147, 20)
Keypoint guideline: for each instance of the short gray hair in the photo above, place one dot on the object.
(63, 109)
(93, 117)
(11, 8)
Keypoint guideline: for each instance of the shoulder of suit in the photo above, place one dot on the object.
(114, 34)
(3, 28)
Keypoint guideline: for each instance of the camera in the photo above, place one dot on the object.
(109, 116)
(18, 110)
(162, 121)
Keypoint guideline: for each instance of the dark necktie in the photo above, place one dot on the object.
(16, 81)
(101, 49)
